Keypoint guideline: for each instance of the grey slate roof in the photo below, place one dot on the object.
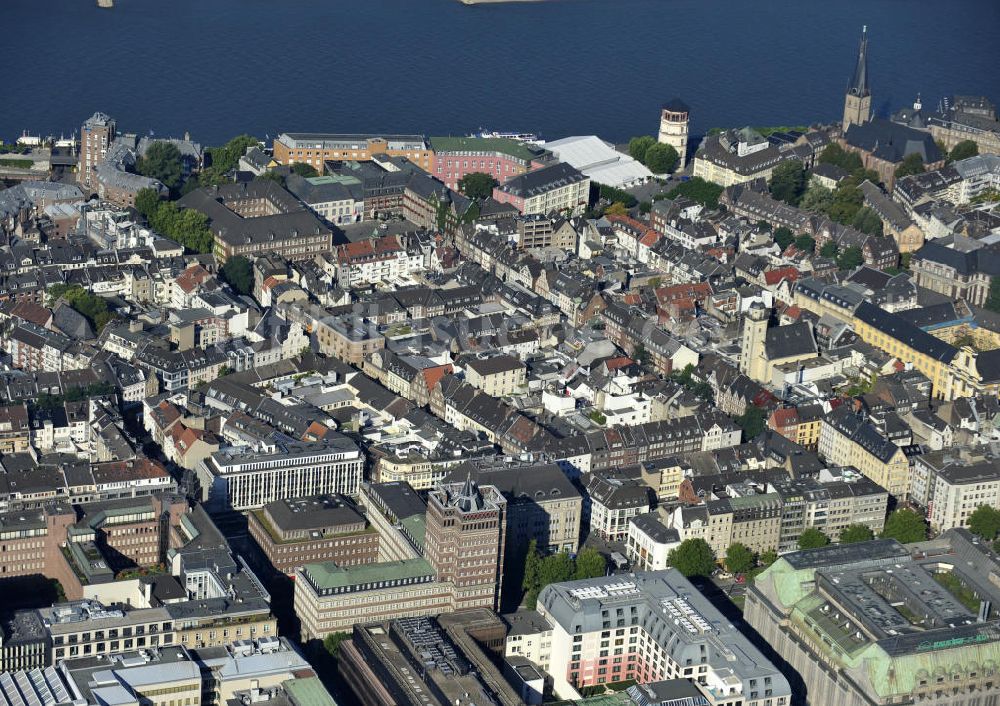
(543, 180)
(892, 142)
(786, 341)
(294, 220)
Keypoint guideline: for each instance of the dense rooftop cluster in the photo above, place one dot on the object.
(491, 416)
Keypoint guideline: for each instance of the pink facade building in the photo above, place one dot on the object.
(501, 158)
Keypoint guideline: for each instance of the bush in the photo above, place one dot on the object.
(614, 194)
(304, 170)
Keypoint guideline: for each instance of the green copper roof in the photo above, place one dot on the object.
(889, 674)
(308, 691)
(416, 525)
(502, 145)
(327, 574)
(788, 582)
(345, 179)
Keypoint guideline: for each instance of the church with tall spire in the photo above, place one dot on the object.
(858, 101)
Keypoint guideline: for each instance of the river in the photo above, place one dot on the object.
(220, 67)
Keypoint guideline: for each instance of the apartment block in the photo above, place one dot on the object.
(291, 532)
(649, 626)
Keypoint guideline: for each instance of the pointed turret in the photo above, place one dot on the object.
(469, 498)
(859, 84)
(858, 101)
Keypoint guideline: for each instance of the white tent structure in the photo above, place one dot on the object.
(600, 161)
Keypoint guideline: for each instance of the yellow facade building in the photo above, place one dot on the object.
(953, 372)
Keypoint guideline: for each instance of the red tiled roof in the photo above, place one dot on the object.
(192, 277)
(432, 376)
(370, 249)
(141, 468)
(775, 276)
(29, 311)
(315, 432)
(783, 418)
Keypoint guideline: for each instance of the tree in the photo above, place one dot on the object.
(333, 641)
(817, 199)
(829, 249)
(90, 306)
(867, 221)
(693, 558)
(847, 201)
(767, 558)
(993, 298)
(188, 227)
(556, 568)
(697, 189)
(532, 567)
(852, 534)
(645, 207)
(638, 146)
(239, 273)
(147, 201)
(477, 185)
(838, 156)
(788, 182)
(963, 150)
(905, 526)
(304, 170)
(851, 258)
(739, 558)
(616, 209)
(219, 161)
(805, 242)
(783, 237)
(661, 158)
(751, 422)
(911, 164)
(813, 538)
(164, 163)
(590, 564)
(641, 355)
(271, 175)
(985, 521)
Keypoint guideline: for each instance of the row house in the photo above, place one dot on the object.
(848, 439)
(632, 331)
(634, 237)
(34, 348)
(371, 261)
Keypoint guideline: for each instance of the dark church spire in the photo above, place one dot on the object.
(859, 84)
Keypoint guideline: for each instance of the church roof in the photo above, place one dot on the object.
(859, 82)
